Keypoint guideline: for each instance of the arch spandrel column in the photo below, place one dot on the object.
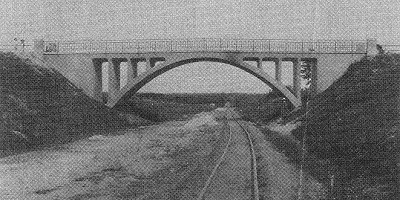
(259, 63)
(129, 71)
(148, 64)
(113, 79)
(97, 85)
(278, 70)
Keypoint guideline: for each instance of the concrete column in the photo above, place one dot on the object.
(97, 85)
(113, 79)
(129, 71)
(371, 47)
(278, 70)
(135, 62)
(148, 64)
(153, 62)
(296, 77)
(134, 68)
(259, 63)
(117, 69)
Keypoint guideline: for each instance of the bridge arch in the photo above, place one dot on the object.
(134, 84)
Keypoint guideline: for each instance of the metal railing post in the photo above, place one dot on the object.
(352, 46)
(288, 46)
(106, 50)
(269, 45)
(90, 46)
(335, 47)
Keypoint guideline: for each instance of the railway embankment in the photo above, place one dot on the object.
(39, 107)
(351, 132)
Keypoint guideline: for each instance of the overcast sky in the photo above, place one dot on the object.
(272, 19)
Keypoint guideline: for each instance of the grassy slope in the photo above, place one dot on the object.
(355, 126)
(39, 107)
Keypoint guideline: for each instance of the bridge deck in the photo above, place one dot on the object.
(207, 45)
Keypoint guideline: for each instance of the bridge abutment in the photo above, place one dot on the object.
(371, 47)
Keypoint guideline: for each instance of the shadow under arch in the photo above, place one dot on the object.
(133, 86)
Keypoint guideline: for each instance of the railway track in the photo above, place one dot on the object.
(213, 180)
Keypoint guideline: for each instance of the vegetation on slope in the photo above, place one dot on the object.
(40, 107)
(355, 126)
(159, 109)
(163, 107)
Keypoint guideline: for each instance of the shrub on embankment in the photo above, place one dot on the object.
(159, 110)
(355, 125)
(40, 107)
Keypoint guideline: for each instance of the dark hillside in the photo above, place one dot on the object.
(161, 107)
(355, 125)
(39, 107)
(186, 98)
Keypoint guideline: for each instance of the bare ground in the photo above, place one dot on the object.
(147, 163)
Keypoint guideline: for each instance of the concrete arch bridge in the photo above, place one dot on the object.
(81, 61)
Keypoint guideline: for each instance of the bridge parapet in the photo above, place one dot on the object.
(206, 45)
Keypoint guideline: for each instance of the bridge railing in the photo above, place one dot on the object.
(391, 48)
(206, 45)
(16, 48)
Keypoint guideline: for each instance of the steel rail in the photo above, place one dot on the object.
(203, 191)
(255, 192)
